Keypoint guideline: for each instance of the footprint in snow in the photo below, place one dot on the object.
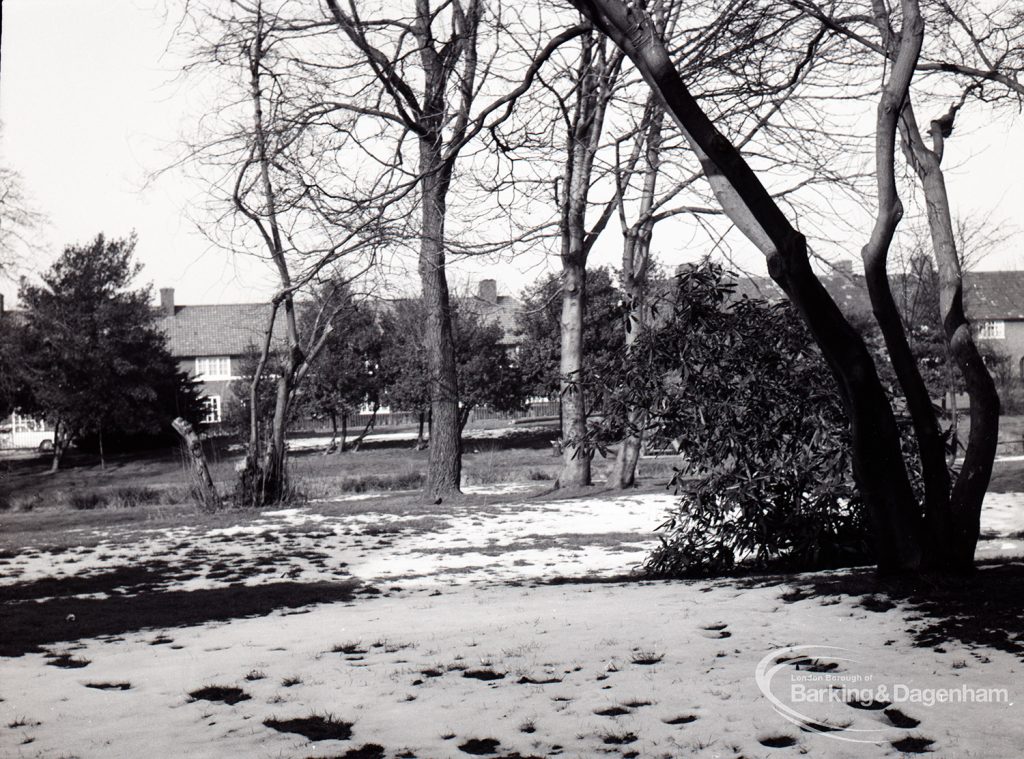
(716, 631)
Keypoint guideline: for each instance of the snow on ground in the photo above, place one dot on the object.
(462, 653)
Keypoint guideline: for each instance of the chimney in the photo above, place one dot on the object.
(488, 290)
(844, 267)
(167, 301)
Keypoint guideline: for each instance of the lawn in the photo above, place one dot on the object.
(505, 622)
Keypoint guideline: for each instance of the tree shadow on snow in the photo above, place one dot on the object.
(980, 609)
(51, 610)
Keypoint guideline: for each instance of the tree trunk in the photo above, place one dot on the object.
(878, 465)
(927, 433)
(464, 414)
(203, 488)
(636, 249)
(103, 460)
(421, 442)
(960, 542)
(58, 446)
(623, 473)
(575, 455)
(275, 473)
(366, 430)
(344, 431)
(444, 469)
(332, 445)
(585, 125)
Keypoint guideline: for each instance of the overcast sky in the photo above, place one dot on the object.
(91, 104)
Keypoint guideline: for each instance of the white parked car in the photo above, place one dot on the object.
(20, 432)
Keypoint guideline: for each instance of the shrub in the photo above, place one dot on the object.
(740, 388)
(86, 501)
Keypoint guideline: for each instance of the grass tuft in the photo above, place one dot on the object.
(646, 658)
(314, 728)
(225, 693)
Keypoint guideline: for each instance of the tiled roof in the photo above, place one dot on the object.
(218, 330)
(987, 294)
(848, 292)
(994, 294)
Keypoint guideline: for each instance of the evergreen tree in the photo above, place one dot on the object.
(96, 364)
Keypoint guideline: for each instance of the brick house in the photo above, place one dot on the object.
(994, 301)
(491, 307)
(211, 341)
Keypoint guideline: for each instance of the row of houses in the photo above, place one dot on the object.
(993, 301)
(210, 342)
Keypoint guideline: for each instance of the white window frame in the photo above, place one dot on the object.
(992, 329)
(213, 367)
(213, 409)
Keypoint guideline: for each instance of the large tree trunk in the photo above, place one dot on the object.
(976, 470)
(596, 73)
(202, 484)
(444, 470)
(575, 455)
(878, 464)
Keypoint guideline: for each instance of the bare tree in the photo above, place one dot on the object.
(594, 81)
(764, 111)
(973, 54)
(878, 462)
(263, 186)
(435, 76)
(18, 219)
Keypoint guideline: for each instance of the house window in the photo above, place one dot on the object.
(212, 404)
(213, 367)
(991, 330)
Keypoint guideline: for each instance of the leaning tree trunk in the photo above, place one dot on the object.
(444, 468)
(369, 426)
(202, 483)
(976, 469)
(878, 465)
